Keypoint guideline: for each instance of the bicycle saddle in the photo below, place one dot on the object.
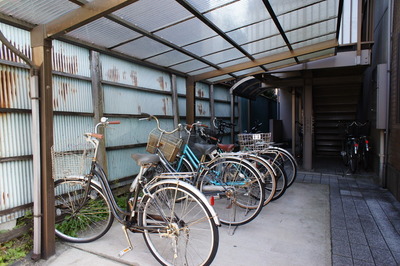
(205, 148)
(226, 147)
(144, 158)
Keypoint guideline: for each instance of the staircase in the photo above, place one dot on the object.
(332, 103)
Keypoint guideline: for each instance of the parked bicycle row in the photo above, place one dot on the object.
(184, 190)
(355, 145)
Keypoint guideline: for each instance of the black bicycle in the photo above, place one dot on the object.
(178, 224)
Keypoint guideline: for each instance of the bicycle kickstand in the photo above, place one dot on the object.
(130, 247)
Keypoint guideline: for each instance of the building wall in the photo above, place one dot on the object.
(393, 167)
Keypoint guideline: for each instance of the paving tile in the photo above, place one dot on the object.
(341, 261)
(341, 248)
(354, 224)
(383, 257)
(375, 240)
(338, 222)
(362, 263)
(357, 237)
(339, 234)
(361, 252)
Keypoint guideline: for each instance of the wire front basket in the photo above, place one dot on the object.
(254, 142)
(71, 160)
(168, 144)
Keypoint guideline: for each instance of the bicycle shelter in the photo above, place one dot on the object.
(71, 62)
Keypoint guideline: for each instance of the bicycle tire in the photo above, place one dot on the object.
(289, 164)
(281, 179)
(268, 174)
(186, 233)
(79, 219)
(236, 187)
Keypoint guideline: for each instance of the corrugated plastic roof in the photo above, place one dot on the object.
(211, 40)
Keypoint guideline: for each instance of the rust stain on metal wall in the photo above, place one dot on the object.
(6, 53)
(200, 109)
(165, 105)
(4, 197)
(134, 78)
(67, 64)
(113, 74)
(200, 93)
(64, 89)
(8, 90)
(161, 82)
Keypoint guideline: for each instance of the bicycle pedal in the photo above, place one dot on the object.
(124, 251)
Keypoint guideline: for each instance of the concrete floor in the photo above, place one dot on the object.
(327, 217)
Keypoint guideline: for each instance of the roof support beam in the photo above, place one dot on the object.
(278, 25)
(83, 15)
(268, 59)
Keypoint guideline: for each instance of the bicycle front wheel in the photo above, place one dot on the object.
(236, 187)
(82, 213)
(179, 232)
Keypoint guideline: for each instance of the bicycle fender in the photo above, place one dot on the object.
(82, 178)
(195, 191)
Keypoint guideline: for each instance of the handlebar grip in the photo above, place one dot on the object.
(95, 135)
(114, 122)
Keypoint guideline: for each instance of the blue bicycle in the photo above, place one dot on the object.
(233, 185)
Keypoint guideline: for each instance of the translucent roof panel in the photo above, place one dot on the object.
(105, 32)
(201, 71)
(279, 64)
(312, 31)
(316, 55)
(271, 52)
(252, 70)
(305, 20)
(315, 40)
(260, 30)
(36, 11)
(284, 6)
(142, 48)
(224, 56)
(265, 44)
(187, 32)
(236, 14)
(207, 5)
(153, 15)
(209, 46)
(234, 62)
(169, 58)
(219, 78)
(190, 66)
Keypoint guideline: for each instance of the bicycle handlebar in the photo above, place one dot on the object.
(149, 117)
(104, 122)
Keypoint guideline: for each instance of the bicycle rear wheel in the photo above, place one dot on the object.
(80, 217)
(236, 188)
(180, 232)
(287, 161)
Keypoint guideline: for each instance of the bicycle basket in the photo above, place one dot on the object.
(71, 160)
(254, 142)
(168, 144)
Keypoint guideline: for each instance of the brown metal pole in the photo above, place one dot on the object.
(41, 53)
(190, 100)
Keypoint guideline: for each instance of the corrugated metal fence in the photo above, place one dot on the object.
(127, 90)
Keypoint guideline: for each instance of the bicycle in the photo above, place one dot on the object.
(350, 146)
(177, 232)
(233, 185)
(283, 162)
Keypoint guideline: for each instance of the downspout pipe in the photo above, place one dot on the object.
(388, 94)
(34, 85)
